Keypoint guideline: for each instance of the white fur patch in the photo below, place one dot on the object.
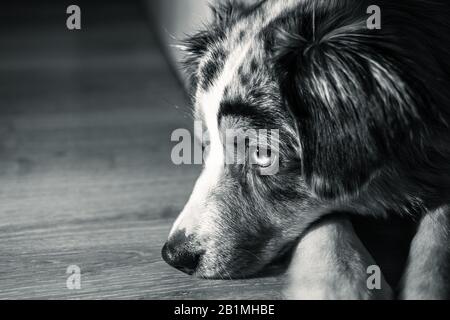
(209, 103)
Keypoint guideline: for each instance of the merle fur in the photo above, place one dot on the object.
(386, 117)
(363, 116)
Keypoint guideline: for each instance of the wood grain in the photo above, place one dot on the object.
(85, 170)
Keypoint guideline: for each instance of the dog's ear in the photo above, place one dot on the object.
(228, 11)
(355, 96)
(224, 14)
(194, 48)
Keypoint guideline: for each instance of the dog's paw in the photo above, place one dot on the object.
(333, 285)
(427, 274)
(330, 263)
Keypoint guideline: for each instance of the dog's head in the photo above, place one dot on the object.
(336, 96)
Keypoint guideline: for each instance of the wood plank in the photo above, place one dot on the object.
(85, 170)
(119, 259)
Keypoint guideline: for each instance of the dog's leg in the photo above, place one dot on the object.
(427, 275)
(330, 262)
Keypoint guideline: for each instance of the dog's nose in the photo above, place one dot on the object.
(180, 254)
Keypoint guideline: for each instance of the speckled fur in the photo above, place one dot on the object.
(363, 118)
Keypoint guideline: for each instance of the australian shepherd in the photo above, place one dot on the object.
(363, 117)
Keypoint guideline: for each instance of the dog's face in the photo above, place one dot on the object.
(286, 66)
(238, 219)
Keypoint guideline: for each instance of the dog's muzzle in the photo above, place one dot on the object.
(181, 253)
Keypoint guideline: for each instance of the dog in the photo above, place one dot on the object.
(363, 118)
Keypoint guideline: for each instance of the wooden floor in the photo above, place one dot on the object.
(85, 171)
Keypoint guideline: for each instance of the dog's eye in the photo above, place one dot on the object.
(262, 157)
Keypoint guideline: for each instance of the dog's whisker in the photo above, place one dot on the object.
(253, 254)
